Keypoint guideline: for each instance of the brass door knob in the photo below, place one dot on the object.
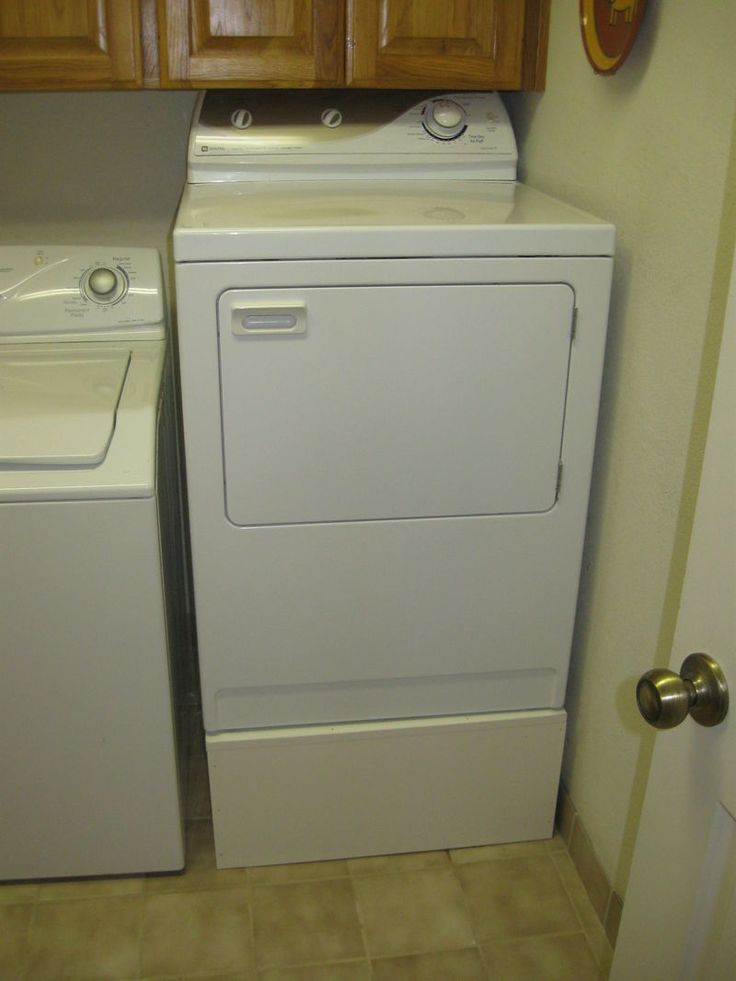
(665, 698)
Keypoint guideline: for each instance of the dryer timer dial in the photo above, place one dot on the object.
(445, 119)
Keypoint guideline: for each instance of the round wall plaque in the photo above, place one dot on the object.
(609, 28)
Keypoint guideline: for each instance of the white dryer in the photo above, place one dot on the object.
(391, 356)
(88, 519)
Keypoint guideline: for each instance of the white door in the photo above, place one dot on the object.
(679, 917)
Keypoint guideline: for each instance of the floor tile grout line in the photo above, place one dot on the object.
(302, 965)
(251, 920)
(368, 959)
(586, 899)
(581, 926)
(525, 938)
(466, 905)
(361, 923)
(518, 941)
(567, 892)
(485, 964)
(362, 958)
(419, 951)
(430, 953)
(26, 958)
(141, 924)
(574, 905)
(344, 875)
(293, 882)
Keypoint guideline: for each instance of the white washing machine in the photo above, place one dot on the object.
(88, 517)
(391, 356)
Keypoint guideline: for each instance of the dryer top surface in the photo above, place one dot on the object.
(375, 219)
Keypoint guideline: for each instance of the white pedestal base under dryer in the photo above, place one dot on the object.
(88, 494)
(390, 393)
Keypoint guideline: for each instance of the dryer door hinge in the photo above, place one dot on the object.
(559, 480)
(574, 326)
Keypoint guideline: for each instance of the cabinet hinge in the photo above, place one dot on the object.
(574, 326)
(559, 480)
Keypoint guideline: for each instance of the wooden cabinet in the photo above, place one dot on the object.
(456, 44)
(74, 44)
(279, 43)
(435, 44)
(440, 44)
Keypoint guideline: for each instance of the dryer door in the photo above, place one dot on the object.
(356, 404)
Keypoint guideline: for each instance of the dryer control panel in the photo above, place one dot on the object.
(57, 292)
(257, 135)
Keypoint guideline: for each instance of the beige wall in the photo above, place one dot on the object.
(649, 150)
(105, 167)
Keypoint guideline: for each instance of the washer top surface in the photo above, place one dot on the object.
(362, 219)
(81, 354)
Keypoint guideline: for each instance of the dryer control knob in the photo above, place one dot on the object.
(241, 118)
(445, 119)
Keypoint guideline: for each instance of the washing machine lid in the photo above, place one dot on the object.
(58, 409)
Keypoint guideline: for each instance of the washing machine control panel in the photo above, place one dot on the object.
(60, 292)
(303, 135)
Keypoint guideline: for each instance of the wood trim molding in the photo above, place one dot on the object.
(536, 36)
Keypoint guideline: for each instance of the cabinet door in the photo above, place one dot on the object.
(232, 43)
(77, 44)
(461, 44)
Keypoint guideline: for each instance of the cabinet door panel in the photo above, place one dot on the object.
(253, 42)
(435, 43)
(72, 45)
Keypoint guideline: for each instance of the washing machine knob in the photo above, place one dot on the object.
(103, 284)
(103, 281)
(445, 119)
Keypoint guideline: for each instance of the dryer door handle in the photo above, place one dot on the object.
(265, 320)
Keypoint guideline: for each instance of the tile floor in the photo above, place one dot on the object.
(505, 912)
